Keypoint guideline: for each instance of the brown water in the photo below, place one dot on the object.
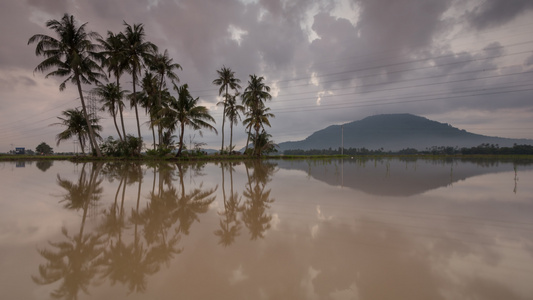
(352, 229)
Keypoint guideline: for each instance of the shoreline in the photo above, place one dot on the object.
(217, 158)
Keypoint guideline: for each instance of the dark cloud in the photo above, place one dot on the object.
(492, 13)
(529, 61)
(403, 25)
(50, 6)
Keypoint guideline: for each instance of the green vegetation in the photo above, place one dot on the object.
(483, 149)
(44, 149)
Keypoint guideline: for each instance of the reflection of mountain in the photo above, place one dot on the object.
(396, 177)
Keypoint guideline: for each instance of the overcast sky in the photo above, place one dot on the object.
(467, 63)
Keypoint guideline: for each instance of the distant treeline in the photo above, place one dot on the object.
(493, 149)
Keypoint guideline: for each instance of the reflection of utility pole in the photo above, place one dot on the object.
(342, 171)
(515, 179)
(342, 139)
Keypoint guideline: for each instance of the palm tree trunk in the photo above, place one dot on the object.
(82, 146)
(136, 110)
(120, 110)
(116, 126)
(231, 136)
(159, 104)
(256, 147)
(248, 139)
(224, 118)
(181, 139)
(94, 145)
(153, 137)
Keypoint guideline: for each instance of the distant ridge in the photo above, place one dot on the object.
(394, 132)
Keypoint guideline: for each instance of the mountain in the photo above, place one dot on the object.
(395, 132)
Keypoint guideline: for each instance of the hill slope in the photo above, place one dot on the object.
(395, 132)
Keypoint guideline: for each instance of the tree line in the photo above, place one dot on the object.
(491, 149)
(84, 57)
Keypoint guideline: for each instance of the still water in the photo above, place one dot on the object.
(351, 229)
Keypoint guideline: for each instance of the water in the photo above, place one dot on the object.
(324, 229)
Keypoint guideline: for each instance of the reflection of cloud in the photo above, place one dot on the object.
(275, 221)
(307, 283)
(237, 276)
(321, 216)
(347, 294)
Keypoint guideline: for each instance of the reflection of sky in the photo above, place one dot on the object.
(466, 240)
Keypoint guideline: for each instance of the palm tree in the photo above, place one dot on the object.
(226, 79)
(111, 98)
(115, 61)
(185, 111)
(232, 112)
(76, 124)
(72, 54)
(137, 52)
(148, 100)
(163, 66)
(253, 99)
(257, 118)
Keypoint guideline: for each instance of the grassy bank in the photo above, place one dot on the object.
(8, 157)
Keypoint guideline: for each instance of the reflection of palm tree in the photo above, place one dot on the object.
(255, 215)
(191, 204)
(76, 260)
(230, 225)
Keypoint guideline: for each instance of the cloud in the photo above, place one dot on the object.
(362, 57)
(492, 13)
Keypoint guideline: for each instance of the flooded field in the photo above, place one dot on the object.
(304, 229)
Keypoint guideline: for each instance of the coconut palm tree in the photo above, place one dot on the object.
(72, 55)
(111, 98)
(114, 59)
(163, 66)
(257, 118)
(226, 80)
(232, 112)
(185, 111)
(137, 52)
(76, 124)
(148, 100)
(253, 98)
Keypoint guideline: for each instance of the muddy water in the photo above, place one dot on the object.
(351, 229)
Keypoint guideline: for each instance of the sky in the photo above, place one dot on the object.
(328, 62)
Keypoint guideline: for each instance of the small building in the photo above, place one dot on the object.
(20, 150)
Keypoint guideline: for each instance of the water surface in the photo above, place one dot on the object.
(317, 229)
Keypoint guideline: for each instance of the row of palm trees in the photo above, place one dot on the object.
(73, 55)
